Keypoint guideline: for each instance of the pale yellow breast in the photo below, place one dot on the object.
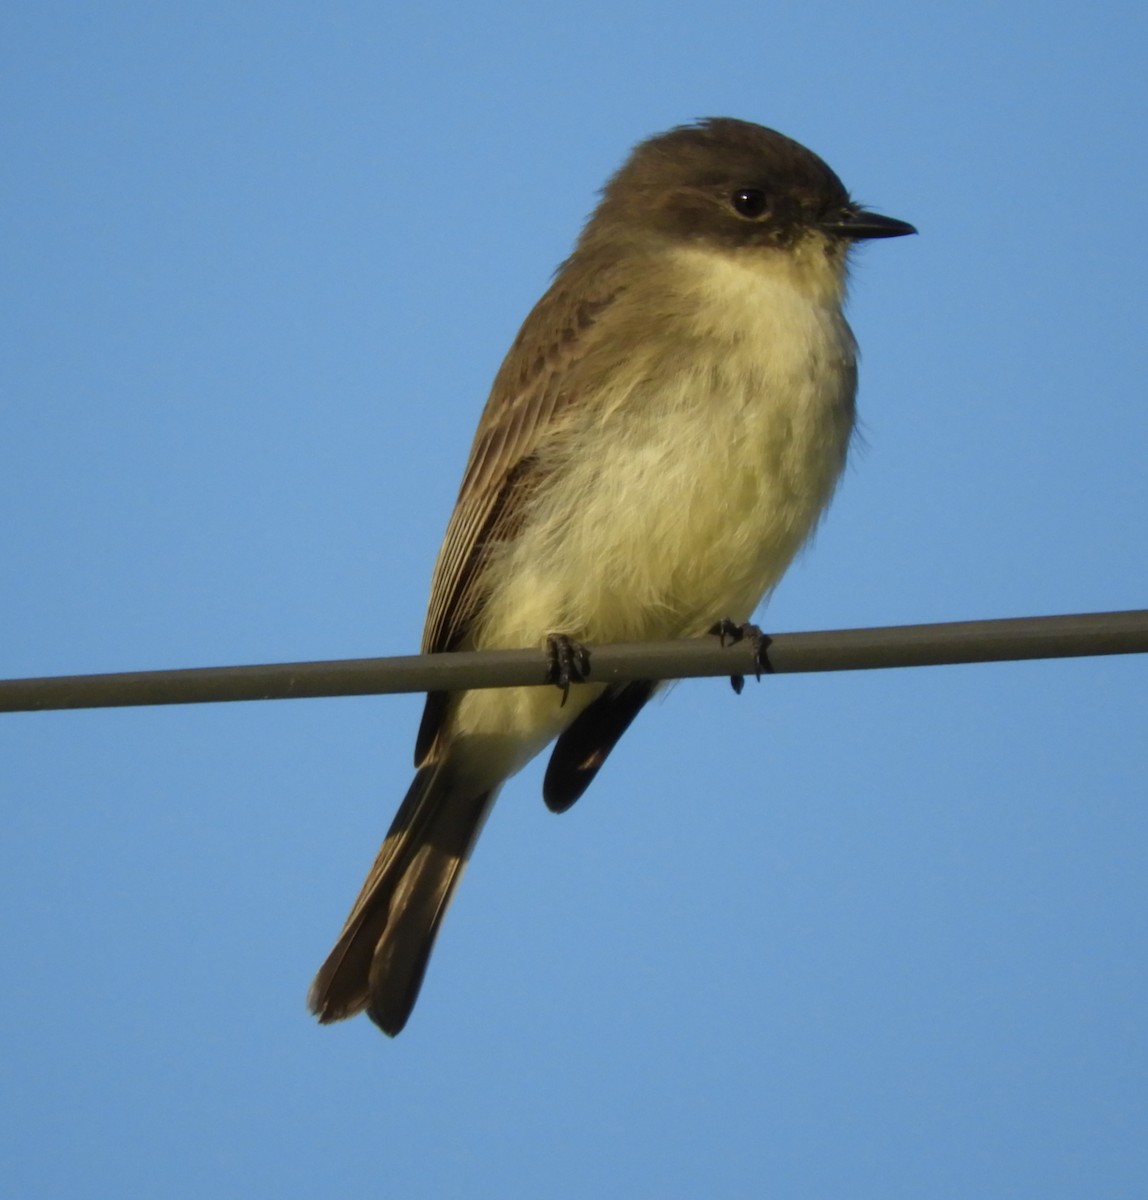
(688, 495)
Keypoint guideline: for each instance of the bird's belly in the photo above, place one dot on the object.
(680, 496)
(677, 524)
(675, 515)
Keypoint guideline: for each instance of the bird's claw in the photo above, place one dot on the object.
(569, 662)
(730, 633)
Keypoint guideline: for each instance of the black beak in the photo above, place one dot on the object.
(858, 223)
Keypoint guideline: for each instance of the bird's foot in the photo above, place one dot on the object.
(569, 662)
(730, 633)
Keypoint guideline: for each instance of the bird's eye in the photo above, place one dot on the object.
(751, 203)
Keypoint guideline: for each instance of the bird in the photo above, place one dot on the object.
(664, 434)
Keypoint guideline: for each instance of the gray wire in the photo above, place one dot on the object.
(831, 650)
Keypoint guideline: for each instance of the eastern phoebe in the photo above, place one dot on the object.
(664, 434)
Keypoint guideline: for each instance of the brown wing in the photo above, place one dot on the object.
(529, 403)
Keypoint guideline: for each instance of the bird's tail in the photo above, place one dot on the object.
(379, 960)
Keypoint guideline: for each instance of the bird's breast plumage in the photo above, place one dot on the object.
(681, 491)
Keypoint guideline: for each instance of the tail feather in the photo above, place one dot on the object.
(381, 955)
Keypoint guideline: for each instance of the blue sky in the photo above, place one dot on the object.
(873, 935)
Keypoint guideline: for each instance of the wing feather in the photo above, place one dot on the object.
(529, 403)
(525, 409)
